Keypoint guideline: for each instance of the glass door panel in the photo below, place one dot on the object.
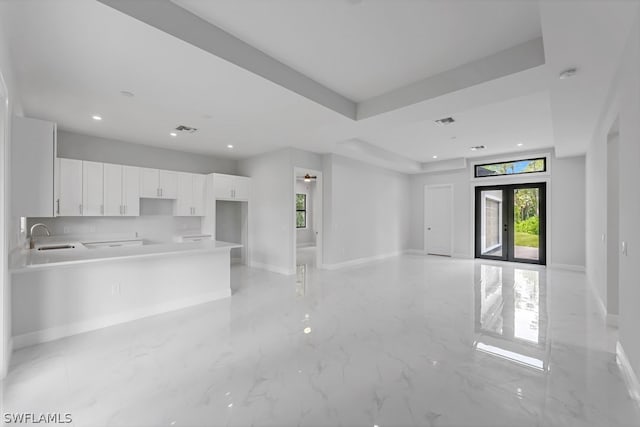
(510, 222)
(526, 220)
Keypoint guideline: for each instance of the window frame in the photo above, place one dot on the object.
(301, 210)
(544, 159)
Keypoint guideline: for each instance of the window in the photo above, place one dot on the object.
(301, 211)
(513, 167)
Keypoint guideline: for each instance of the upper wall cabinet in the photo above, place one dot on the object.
(231, 187)
(68, 187)
(190, 200)
(79, 188)
(33, 152)
(121, 190)
(158, 184)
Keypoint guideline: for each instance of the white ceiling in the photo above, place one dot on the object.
(73, 57)
(499, 126)
(362, 49)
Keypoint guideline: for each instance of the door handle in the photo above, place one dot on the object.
(80, 209)
(58, 206)
(428, 228)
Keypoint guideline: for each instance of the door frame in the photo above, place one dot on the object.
(318, 213)
(426, 210)
(507, 213)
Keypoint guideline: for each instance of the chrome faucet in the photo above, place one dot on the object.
(31, 241)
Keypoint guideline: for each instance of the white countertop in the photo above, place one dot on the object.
(31, 259)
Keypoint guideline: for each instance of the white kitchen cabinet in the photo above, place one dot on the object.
(190, 195)
(33, 154)
(92, 189)
(231, 187)
(149, 183)
(112, 190)
(168, 184)
(121, 190)
(68, 187)
(198, 194)
(131, 190)
(158, 184)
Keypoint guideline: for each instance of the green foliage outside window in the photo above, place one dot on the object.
(301, 211)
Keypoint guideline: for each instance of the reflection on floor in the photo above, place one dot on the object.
(406, 341)
(520, 252)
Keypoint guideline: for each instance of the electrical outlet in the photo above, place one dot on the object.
(66, 229)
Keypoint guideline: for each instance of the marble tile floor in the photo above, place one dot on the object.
(407, 341)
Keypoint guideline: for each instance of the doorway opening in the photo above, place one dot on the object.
(510, 223)
(307, 235)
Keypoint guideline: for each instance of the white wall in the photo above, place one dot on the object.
(306, 236)
(366, 211)
(565, 196)
(623, 106)
(88, 147)
(270, 210)
(7, 222)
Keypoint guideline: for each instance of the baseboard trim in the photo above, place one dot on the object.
(570, 267)
(629, 375)
(51, 334)
(272, 268)
(360, 261)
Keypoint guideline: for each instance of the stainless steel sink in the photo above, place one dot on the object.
(54, 247)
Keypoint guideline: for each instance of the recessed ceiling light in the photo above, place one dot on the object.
(568, 73)
(520, 144)
(229, 146)
(127, 93)
(435, 157)
(173, 134)
(98, 118)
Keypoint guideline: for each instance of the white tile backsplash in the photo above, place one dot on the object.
(161, 228)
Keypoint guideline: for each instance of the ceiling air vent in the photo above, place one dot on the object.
(478, 147)
(187, 129)
(445, 121)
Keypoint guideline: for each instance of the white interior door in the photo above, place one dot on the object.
(438, 223)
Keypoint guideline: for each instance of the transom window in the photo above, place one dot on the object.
(512, 167)
(301, 211)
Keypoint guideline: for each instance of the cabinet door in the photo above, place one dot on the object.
(33, 152)
(149, 183)
(198, 195)
(131, 190)
(168, 184)
(69, 200)
(184, 198)
(113, 205)
(241, 187)
(223, 186)
(92, 188)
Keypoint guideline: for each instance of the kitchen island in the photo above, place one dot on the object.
(62, 292)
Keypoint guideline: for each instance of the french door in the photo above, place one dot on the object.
(510, 223)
